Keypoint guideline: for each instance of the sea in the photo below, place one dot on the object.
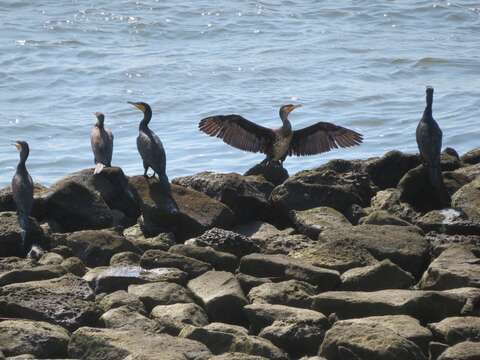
(357, 63)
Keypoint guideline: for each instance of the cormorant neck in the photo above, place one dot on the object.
(99, 124)
(427, 113)
(21, 163)
(147, 116)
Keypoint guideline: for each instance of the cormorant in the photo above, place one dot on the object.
(429, 140)
(22, 190)
(277, 144)
(102, 144)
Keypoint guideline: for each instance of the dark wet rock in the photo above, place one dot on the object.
(39, 209)
(276, 174)
(121, 298)
(337, 184)
(449, 221)
(312, 222)
(382, 217)
(367, 341)
(454, 180)
(220, 294)
(283, 267)
(390, 201)
(467, 199)
(114, 344)
(173, 318)
(220, 342)
(247, 282)
(435, 349)
(441, 242)
(471, 157)
(454, 330)
(286, 244)
(227, 241)
(422, 305)
(39, 338)
(65, 301)
(50, 258)
(162, 241)
(74, 265)
(61, 250)
(157, 258)
(218, 259)
(455, 267)
(471, 298)
(124, 317)
(338, 255)
(125, 258)
(10, 235)
(403, 245)
(449, 159)
(236, 191)
(380, 276)
(111, 278)
(290, 293)
(160, 293)
(467, 350)
(387, 171)
(14, 270)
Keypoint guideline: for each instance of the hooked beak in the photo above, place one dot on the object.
(17, 145)
(293, 107)
(137, 105)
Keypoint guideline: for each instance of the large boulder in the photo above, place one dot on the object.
(114, 344)
(118, 299)
(454, 330)
(312, 222)
(218, 259)
(276, 174)
(161, 293)
(173, 318)
(157, 259)
(467, 199)
(162, 241)
(390, 201)
(11, 238)
(382, 217)
(471, 157)
(448, 221)
(467, 350)
(124, 317)
(17, 270)
(290, 293)
(66, 301)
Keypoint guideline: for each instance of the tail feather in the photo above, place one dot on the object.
(98, 168)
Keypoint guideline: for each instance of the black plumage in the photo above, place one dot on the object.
(101, 140)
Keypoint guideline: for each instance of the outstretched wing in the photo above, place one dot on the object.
(322, 137)
(238, 132)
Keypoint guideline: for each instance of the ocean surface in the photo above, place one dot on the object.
(360, 64)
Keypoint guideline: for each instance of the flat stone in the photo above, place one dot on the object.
(221, 295)
(290, 293)
(50, 258)
(227, 328)
(74, 265)
(448, 221)
(467, 350)
(125, 258)
(124, 317)
(383, 217)
(173, 318)
(162, 241)
(247, 282)
(237, 356)
(218, 259)
(17, 270)
(454, 330)
(286, 244)
(121, 298)
(160, 293)
(157, 258)
(441, 242)
(260, 231)
(312, 222)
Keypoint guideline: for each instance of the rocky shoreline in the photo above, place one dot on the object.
(351, 260)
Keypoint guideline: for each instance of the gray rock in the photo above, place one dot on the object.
(160, 293)
(312, 222)
(17, 270)
(218, 259)
(441, 242)
(247, 282)
(221, 295)
(283, 267)
(157, 258)
(121, 298)
(272, 173)
(237, 356)
(389, 200)
(448, 221)
(383, 217)
(467, 350)
(290, 293)
(471, 157)
(125, 258)
(454, 330)
(435, 349)
(467, 199)
(74, 265)
(162, 241)
(286, 244)
(124, 317)
(227, 328)
(173, 318)
(50, 258)
(10, 235)
(261, 232)
(38, 338)
(39, 208)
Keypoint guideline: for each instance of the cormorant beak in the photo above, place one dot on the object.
(17, 145)
(138, 106)
(97, 114)
(293, 107)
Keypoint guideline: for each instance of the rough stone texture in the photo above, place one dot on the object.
(312, 222)
(455, 267)
(286, 244)
(10, 235)
(367, 341)
(220, 294)
(218, 259)
(441, 242)
(273, 173)
(157, 258)
(124, 317)
(74, 265)
(403, 245)
(467, 350)
(236, 191)
(389, 200)
(227, 328)
(17, 270)
(260, 231)
(467, 199)
(121, 298)
(283, 267)
(50, 258)
(422, 305)
(173, 318)
(127, 258)
(382, 217)
(39, 208)
(471, 157)
(237, 356)
(114, 344)
(290, 293)
(162, 241)
(448, 221)
(380, 276)
(66, 301)
(435, 349)
(453, 330)
(33, 337)
(247, 282)
(160, 293)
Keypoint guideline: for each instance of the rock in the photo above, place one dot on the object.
(236, 191)
(162, 241)
(286, 244)
(113, 278)
(124, 317)
(449, 159)
(237, 356)
(17, 270)
(454, 330)
(283, 267)
(61, 250)
(121, 298)
(290, 293)
(261, 232)
(403, 245)
(39, 208)
(39, 338)
(247, 282)
(173, 318)
(471, 157)
(312, 222)
(74, 265)
(382, 217)
(220, 294)
(227, 328)
(448, 221)
(455, 267)
(218, 259)
(11, 238)
(220, 342)
(354, 213)
(390, 201)
(441, 242)
(435, 349)
(114, 344)
(380, 276)
(227, 241)
(158, 258)
(422, 305)
(50, 258)
(470, 297)
(96, 247)
(271, 173)
(340, 255)
(160, 293)
(337, 184)
(125, 258)
(467, 350)
(367, 341)
(65, 301)
(467, 199)
(387, 171)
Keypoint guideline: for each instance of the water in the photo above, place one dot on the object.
(355, 63)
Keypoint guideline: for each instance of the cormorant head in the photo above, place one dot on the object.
(429, 92)
(23, 148)
(287, 109)
(100, 118)
(142, 106)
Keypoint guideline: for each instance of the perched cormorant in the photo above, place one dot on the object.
(22, 190)
(102, 144)
(277, 144)
(429, 140)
